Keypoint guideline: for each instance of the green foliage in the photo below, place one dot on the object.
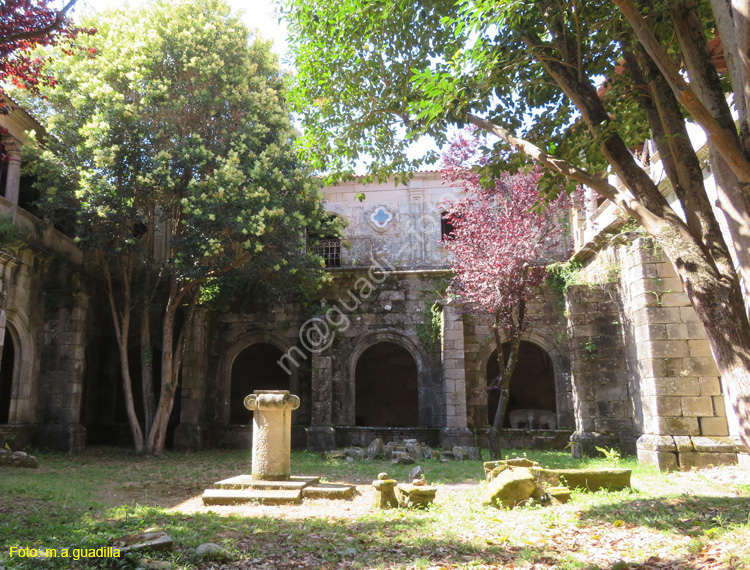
(612, 455)
(8, 231)
(590, 350)
(183, 116)
(562, 274)
(373, 77)
(429, 332)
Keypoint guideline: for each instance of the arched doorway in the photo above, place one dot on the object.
(7, 367)
(386, 387)
(255, 368)
(532, 386)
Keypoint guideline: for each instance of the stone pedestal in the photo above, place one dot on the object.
(385, 494)
(272, 433)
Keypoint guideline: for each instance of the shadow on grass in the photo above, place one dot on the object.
(688, 515)
(390, 539)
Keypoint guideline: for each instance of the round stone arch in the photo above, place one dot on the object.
(560, 366)
(227, 362)
(23, 390)
(420, 358)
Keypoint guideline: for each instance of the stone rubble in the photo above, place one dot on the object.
(17, 459)
(405, 452)
(389, 494)
(513, 482)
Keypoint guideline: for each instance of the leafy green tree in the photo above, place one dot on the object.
(373, 76)
(177, 144)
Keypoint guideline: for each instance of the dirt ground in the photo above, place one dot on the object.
(343, 509)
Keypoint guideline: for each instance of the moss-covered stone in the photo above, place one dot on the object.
(588, 479)
(511, 487)
(558, 494)
(493, 468)
(415, 495)
(385, 494)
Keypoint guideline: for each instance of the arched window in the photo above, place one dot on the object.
(7, 369)
(532, 386)
(255, 368)
(386, 387)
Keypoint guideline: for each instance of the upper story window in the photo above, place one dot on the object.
(446, 226)
(330, 251)
(326, 246)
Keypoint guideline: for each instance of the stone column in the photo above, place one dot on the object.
(191, 433)
(601, 393)
(272, 433)
(63, 368)
(13, 180)
(454, 380)
(321, 435)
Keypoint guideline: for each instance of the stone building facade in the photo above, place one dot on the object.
(619, 360)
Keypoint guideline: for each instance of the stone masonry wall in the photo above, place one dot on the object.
(684, 418)
(601, 391)
(360, 308)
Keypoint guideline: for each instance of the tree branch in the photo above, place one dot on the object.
(725, 144)
(30, 34)
(622, 197)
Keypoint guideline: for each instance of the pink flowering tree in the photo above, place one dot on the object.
(500, 244)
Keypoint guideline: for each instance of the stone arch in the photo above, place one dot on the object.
(22, 393)
(420, 359)
(229, 358)
(560, 366)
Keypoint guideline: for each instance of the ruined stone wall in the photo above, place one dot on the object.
(46, 313)
(642, 367)
(359, 309)
(684, 417)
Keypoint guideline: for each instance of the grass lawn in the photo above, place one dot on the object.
(685, 521)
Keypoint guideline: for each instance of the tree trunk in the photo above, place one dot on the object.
(121, 323)
(704, 267)
(158, 433)
(732, 194)
(721, 310)
(506, 372)
(171, 359)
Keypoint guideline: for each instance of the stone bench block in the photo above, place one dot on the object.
(247, 482)
(331, 491)
(415, 495)
(588, 479)
(244, 496)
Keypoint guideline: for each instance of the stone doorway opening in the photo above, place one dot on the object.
(7, 367)
(532, 386)
(386, 384)
(255, 368)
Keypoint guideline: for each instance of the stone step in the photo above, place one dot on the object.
(260, 496)
(329, 491)
(247, 482)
